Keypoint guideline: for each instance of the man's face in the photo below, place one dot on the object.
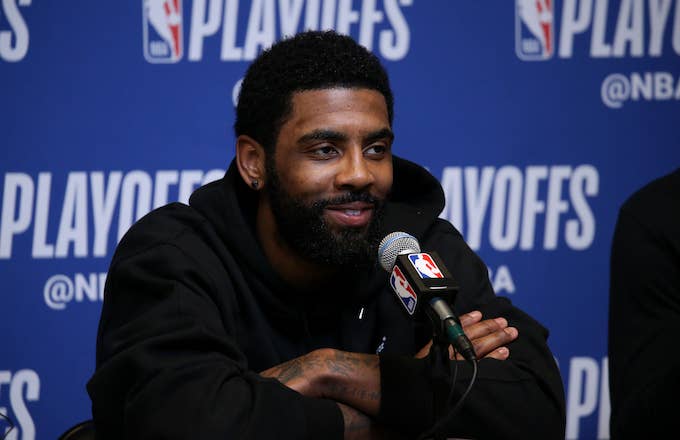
(330, 175)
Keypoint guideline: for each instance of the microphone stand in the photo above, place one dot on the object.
(436, 292)
(446, 331)
(440, 371)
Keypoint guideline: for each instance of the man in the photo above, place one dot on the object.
(644, 312)
(258, 310)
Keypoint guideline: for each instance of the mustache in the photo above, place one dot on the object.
(348, 198)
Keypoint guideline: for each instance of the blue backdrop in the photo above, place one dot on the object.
(540, 118)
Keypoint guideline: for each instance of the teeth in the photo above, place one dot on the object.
(352, 212)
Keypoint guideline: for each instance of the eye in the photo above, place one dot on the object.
(376, 150)
(324, 152)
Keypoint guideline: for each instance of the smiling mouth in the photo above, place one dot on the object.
(354, 214)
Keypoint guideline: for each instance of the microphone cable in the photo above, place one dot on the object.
(446, 418)
(399, 243)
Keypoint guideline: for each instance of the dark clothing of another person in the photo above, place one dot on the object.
(193, 311)
(644, 313)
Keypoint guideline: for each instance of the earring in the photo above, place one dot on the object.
(254, 183)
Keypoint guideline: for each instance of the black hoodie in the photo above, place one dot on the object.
(193, 311)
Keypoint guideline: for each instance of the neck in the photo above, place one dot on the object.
(292, 267)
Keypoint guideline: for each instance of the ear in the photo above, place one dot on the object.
(250, 158)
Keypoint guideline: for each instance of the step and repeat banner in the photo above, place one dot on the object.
(539, 117)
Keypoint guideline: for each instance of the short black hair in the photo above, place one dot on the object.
(311, 60)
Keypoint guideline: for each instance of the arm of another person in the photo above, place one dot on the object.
(644, 321)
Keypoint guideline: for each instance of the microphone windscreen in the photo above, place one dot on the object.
(393, 245)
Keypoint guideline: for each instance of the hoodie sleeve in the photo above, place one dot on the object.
(521, 397)
(168, 365)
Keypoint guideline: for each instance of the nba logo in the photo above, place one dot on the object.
(162, 30)
(534, 30)
(425, 266)
(403, 290)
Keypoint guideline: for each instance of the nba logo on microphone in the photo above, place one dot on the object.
(425, 266)
(534, 29)
(403, 290)
(162, 20)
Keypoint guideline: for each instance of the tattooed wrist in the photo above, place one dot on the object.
(357, 424)
(295, 368)
(350, 378)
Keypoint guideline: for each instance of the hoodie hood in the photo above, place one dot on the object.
(416, 200)
(230, 207)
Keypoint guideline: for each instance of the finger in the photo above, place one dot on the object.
(470, 318)
(493, 341)
(485, 328)
(501, 353)
(424, 351)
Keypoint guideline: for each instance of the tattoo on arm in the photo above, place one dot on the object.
(350, 378)
(293, 369)
(358, 389)
(288, 371)
(357, 424)
(353, 393)
(346, 364)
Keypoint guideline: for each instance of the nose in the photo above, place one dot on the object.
(354, 172)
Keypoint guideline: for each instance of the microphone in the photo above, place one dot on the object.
(418, 275)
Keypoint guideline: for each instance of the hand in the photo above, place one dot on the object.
(489, 337)
(303, 374)
(349, 378)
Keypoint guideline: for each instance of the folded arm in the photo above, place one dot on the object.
(353, 379)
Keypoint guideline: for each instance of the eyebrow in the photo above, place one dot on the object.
(322, 135)
(384, 133)
(332, 135)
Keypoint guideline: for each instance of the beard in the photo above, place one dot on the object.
(303, 228)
